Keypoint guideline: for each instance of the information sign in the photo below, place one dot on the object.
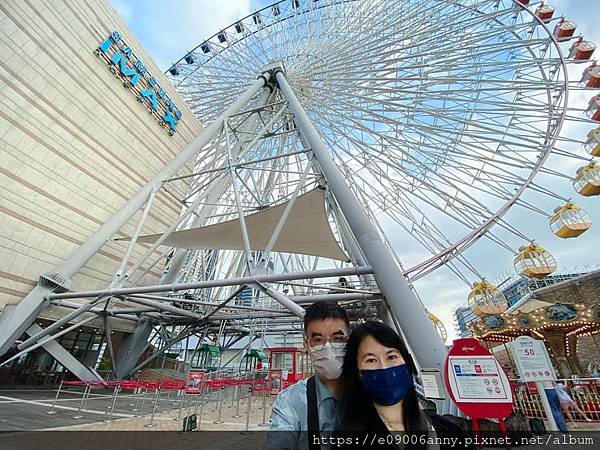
(532, 359)
(476, 381)
(432, 388)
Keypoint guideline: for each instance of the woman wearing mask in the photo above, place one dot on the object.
(380, 397)
(378, 376)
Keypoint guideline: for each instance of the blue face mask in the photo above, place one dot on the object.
(387, 386)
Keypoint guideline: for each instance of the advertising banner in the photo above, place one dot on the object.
(193, 382)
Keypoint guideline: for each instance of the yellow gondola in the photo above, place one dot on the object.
(570, 221)
(486, 298)
(592, 145)
(533, 261)
(587, 180)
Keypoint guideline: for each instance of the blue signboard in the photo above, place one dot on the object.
(136, 75)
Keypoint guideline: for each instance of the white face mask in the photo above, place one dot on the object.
(328, 361)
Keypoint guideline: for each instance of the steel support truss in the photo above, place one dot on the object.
(276, 112)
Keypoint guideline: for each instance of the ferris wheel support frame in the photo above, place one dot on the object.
(357, 257)
(215, 190)
(21, 318)
(429, 350)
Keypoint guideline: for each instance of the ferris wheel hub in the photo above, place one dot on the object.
(273, 66)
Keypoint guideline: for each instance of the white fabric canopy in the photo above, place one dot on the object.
(306, 231)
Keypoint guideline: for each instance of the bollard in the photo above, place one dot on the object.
(217, 401)
(180, 406)
(156, 399)
(220, 409)
(189, 406)
(87, 397)
(264, 408)
(248, 411)
(56, 398)
(233, 395)
(196, 406)
(133, 393)
(85, 392)
(142, 404)
(237, 406)
(112, 404)
(138, 396)
(201, 408)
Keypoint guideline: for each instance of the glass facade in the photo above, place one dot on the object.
(39, 368)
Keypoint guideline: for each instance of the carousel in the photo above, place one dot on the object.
(563, 327)
(569, 331)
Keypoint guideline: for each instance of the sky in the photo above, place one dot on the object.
(168, 30)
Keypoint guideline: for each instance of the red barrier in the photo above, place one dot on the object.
(166, 385)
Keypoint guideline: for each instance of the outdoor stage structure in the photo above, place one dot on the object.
(329, 127)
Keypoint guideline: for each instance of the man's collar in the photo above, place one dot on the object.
(323, 391)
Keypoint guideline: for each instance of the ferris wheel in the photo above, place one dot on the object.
(331, 128)
(440, 115)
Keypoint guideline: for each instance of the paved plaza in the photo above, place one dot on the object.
(28, 410)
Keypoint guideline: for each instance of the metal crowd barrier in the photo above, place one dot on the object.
(585, 392)
(219, 391)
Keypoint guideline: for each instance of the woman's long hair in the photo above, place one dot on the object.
(359, 413)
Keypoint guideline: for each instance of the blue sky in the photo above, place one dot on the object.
(168, 30)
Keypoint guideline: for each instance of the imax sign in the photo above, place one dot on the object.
(135, 75)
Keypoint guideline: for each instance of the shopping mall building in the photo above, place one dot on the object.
(87, 119)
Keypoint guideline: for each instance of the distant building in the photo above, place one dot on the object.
(244, 298)
(463, 315)
(523, 286)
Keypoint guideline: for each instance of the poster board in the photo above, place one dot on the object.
(476, 381)
(433, 386)
(193, 382)
(532, 359)
(275, 382)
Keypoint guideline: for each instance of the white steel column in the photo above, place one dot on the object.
(15, 323)
(422, 337)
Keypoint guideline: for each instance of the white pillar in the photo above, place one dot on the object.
(422, 337)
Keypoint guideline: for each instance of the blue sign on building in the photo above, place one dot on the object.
(147, 88)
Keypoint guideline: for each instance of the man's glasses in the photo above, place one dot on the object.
(337, 341)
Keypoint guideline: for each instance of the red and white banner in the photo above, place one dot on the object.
(193, 382)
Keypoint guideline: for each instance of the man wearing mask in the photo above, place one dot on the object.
(311, 405)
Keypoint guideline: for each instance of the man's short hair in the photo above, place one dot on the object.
(325, 310)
